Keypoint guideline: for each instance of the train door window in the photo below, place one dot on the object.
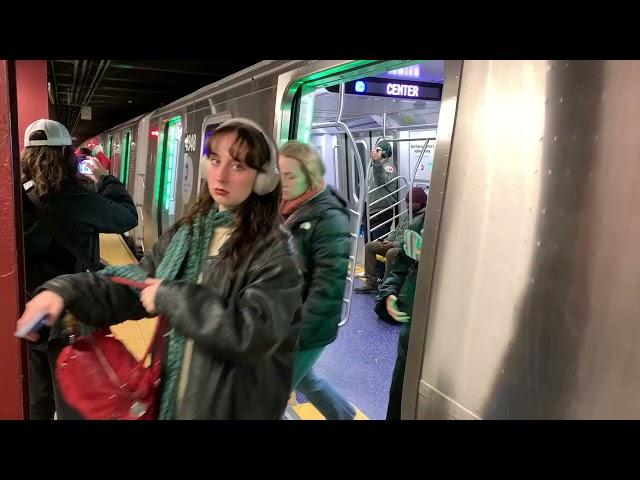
(208, 127)
(116, 154)
(398, 101)
(125, 158)
(166, 172)
(109, 144)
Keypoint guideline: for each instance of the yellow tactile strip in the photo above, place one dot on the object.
(307, 411)
(136, 335)
(114, 250)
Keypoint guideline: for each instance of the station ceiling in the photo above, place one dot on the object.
(118, 90)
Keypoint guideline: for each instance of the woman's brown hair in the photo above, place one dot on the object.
(258, 215)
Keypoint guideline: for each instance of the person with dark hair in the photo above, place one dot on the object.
(49, 167)
(318, 218)
(226, 279)
(390, 246)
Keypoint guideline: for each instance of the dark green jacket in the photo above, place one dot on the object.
(381, 173)
(397, 235)
(83, 215)
(321, 230)
(401, 282)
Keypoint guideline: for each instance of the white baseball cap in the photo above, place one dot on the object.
(57, 134)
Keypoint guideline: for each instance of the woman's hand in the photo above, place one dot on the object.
(397, 315)
(46, 302)
(148, 295)
(96, 169)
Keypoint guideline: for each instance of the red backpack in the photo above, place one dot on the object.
(102, 380)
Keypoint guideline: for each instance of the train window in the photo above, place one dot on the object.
(125, 158)
(166, 172)
(109, 144)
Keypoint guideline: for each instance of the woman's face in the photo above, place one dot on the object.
(230, 179)
(294, 181)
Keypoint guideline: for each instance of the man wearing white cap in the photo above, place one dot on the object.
(54, 202)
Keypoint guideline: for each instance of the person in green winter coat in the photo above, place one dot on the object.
(318, 219)
(395, 302)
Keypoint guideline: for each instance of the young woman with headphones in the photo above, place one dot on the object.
(225, 278)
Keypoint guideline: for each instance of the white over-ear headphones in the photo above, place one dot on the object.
(267, 179)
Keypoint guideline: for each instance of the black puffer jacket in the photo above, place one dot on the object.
(244, 323)
(83, 215)
(321, 229)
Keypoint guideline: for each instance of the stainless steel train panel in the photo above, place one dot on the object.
(532, 308)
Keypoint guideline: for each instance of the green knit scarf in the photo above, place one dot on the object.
(182, 261)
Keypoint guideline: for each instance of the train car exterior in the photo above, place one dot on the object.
(527, 285)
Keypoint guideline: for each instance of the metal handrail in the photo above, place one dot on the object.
(384, 125)
(383, 210)
(396, 203)
(392, 193)
(335, 165)
(384, 185)
(386, 221)
(363, 180)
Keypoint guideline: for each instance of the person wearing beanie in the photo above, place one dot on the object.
(390, 246)
(383, 170)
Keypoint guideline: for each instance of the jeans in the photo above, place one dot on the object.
(372, 249)
(317, 390)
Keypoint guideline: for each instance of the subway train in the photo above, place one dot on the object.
(527, 293)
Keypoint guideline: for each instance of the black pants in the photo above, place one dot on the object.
(44, 396)
(395, 391)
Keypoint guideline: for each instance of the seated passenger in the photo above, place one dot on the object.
(318, 218)
(390, 246)
(225, 278)
(48, 161)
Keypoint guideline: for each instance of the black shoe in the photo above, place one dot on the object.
(366, 289)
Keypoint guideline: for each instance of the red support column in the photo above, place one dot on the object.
(13, 384)
(33, 95)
